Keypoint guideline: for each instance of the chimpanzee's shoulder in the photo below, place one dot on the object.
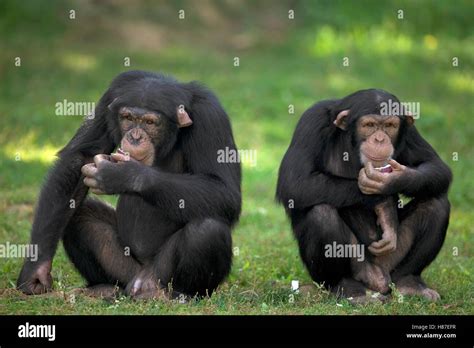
(319, 114)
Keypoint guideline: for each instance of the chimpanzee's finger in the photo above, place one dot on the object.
(373, 173)
(375, 185)
(368, 168)
(368, 180)
(100, 158)
(382, 251)
(369, 186)
(395, 165)
(380, 243)
(89, 170)
(374, 252)
(364, 188)
(377, 251)
(120, 157)
(91, 182)
(368, 190)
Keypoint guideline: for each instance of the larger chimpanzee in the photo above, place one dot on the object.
(335, 196)
(177, 205)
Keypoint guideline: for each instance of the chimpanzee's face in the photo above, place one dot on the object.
(377, 136)
(143, 133)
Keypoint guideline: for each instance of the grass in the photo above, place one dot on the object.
(282, 62)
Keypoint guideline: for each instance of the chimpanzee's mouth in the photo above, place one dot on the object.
(377, 159)
(140, 159)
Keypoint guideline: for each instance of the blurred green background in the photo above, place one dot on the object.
(283, 62)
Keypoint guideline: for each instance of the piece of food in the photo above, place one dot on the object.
(385, 169)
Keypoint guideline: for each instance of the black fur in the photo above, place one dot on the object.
(320, 192)
(190, 246)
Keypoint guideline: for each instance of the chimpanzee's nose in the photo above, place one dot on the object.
(379, 138)
(135, 135)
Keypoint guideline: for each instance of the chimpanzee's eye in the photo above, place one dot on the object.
(127, 117)
(150, 122)
(370, 124)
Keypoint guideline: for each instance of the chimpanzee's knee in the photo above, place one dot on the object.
(321, 228)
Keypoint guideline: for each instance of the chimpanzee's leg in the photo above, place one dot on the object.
(90, 241)
(321, 227)
(363, 223)
(197, 258)
(423, 226)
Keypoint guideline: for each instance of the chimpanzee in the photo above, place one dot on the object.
(333, 193)
(172, 225)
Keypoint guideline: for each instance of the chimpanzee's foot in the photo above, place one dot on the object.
(373, 277)
(356, 293)
(103, 291)
(414, 286)
(145, 286)
(369, 298)
(156, 294)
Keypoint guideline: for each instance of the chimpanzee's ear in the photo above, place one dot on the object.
(341, 119)
(183, 118)
(409, 117)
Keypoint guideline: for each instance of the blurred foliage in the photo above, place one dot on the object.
(282, 61)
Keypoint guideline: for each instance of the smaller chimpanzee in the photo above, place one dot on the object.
(340, 181)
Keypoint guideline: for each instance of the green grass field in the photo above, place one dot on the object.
(282, 62)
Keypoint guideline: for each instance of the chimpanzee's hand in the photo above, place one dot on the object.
(387, 218)
(373, 182)
(112, 174)
(386, 245)
(35, 277)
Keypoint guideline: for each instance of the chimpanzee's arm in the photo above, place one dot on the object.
(185, 196)
(427, 175)
(302, 177)
(62, 192)
(301, 183)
